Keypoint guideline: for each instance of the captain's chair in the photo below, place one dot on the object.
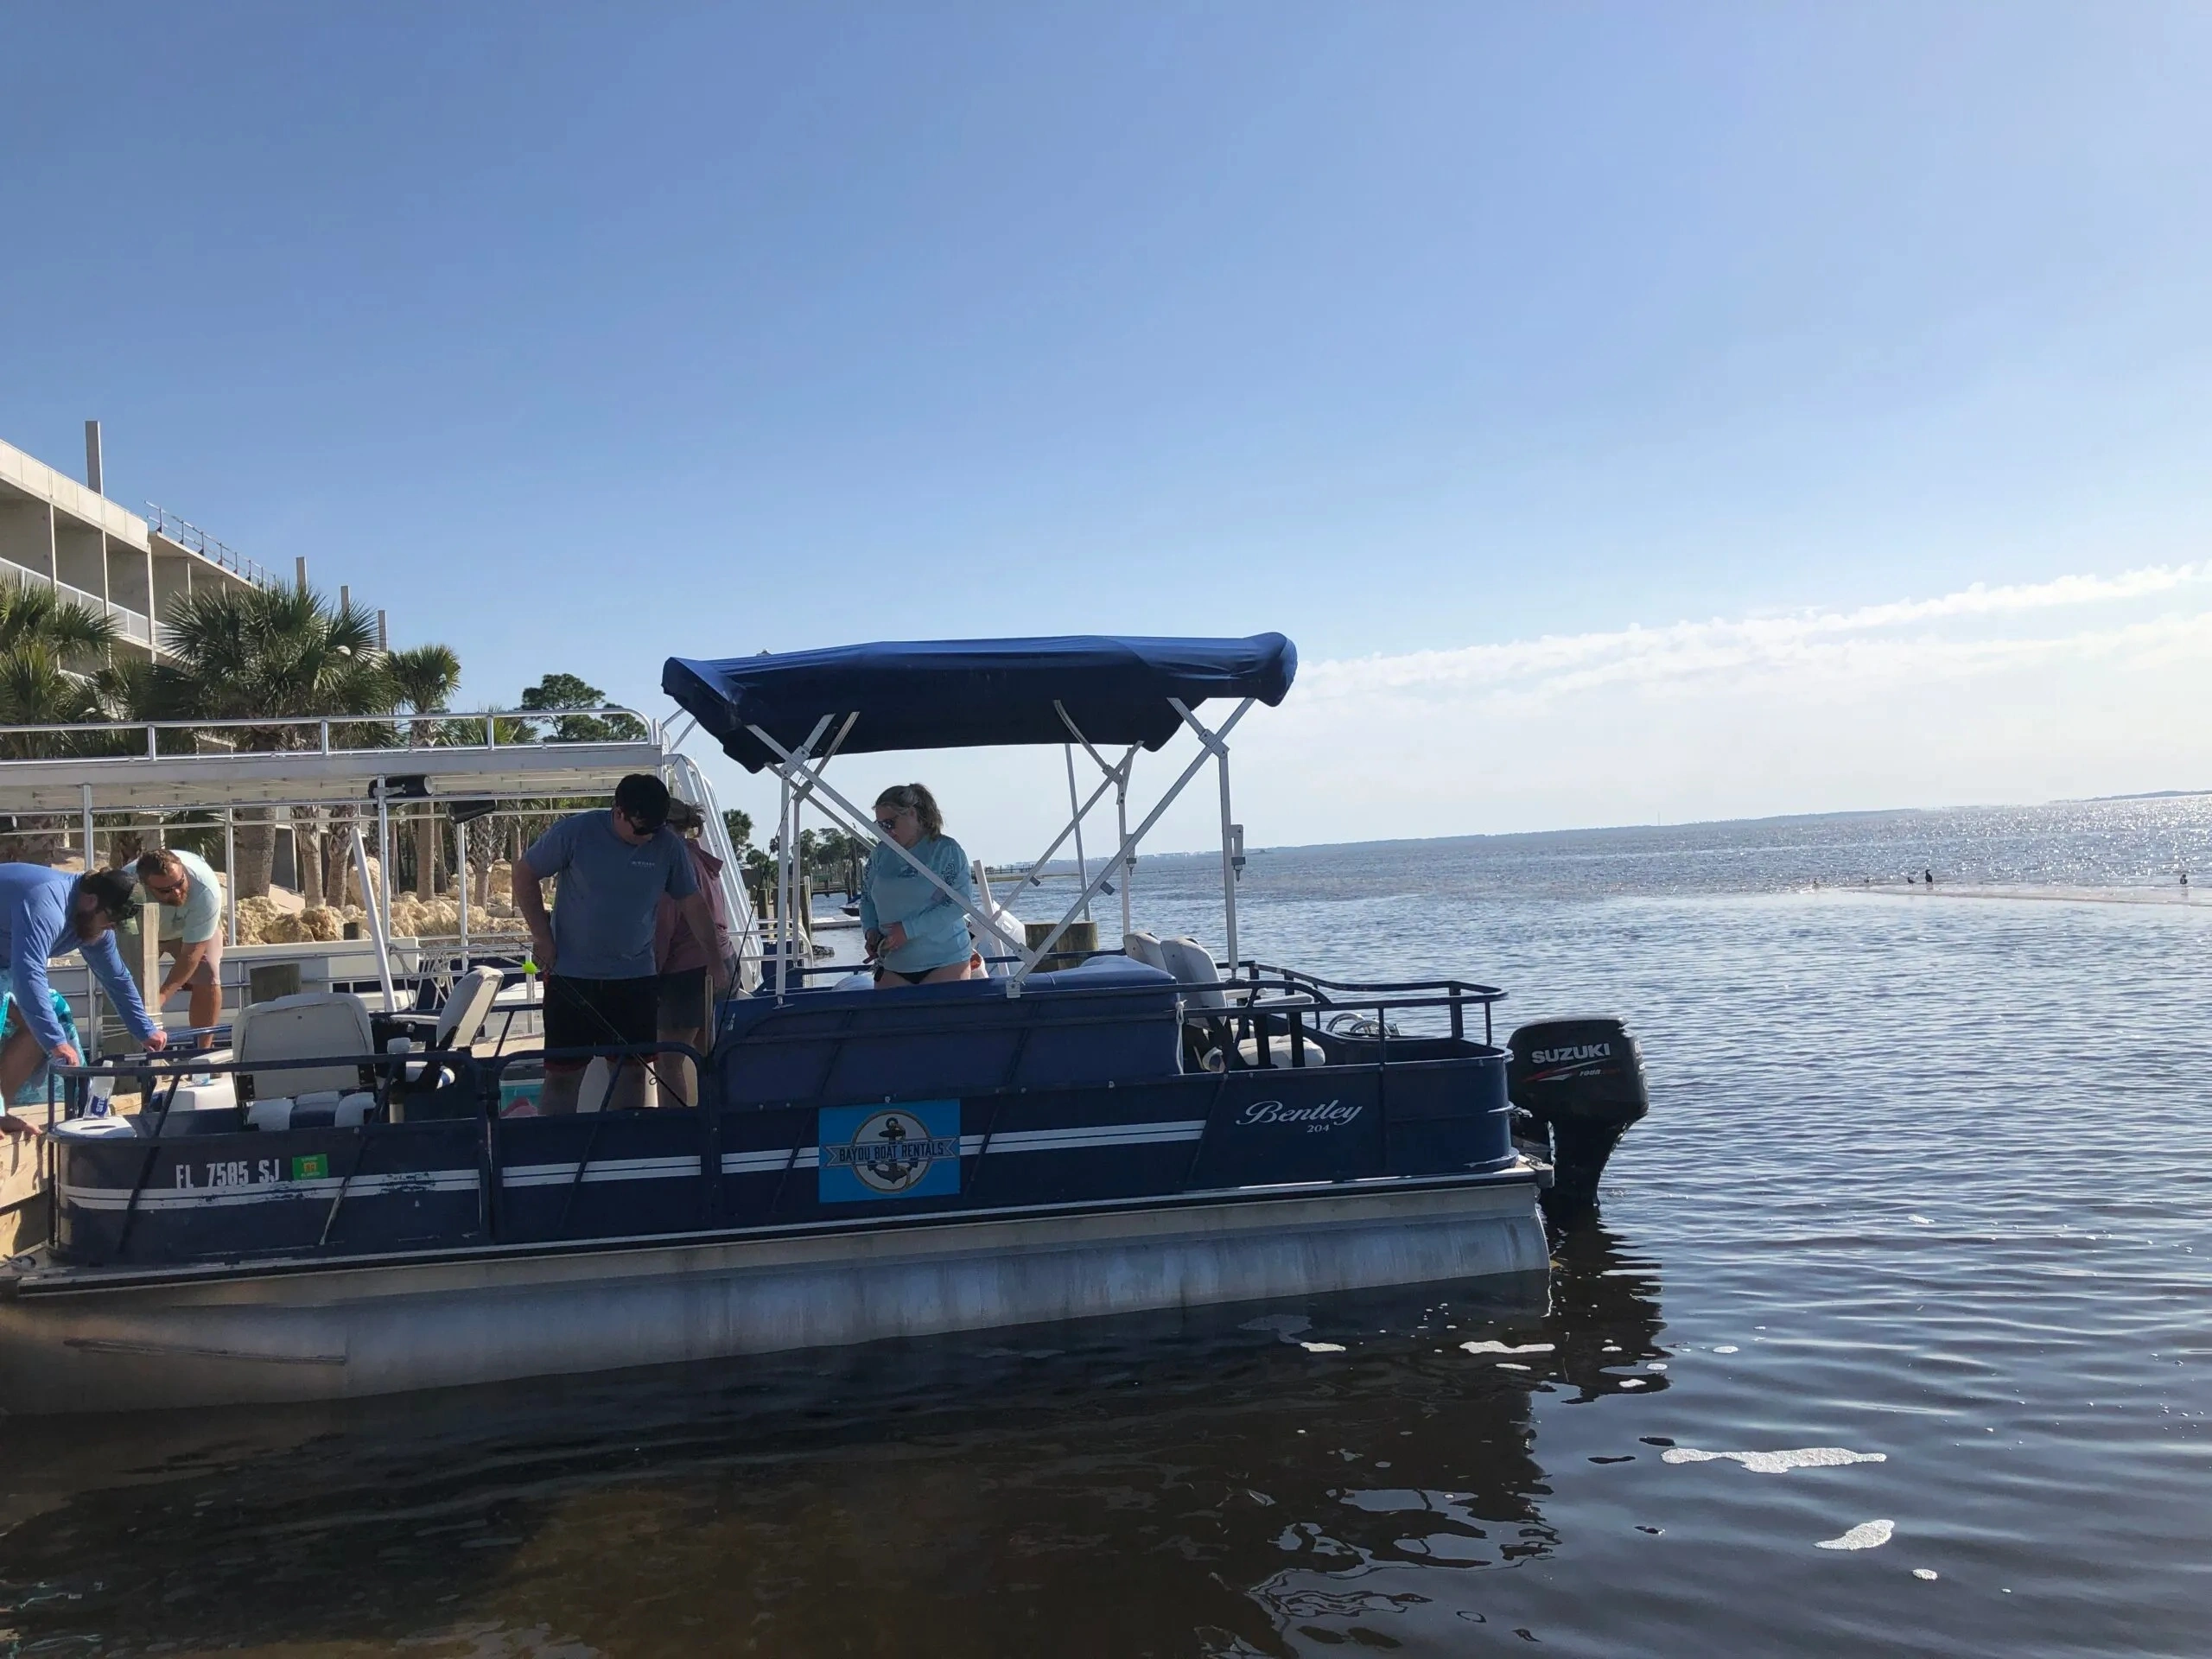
(461, 1017)
(311, 1025)
(1144, 948)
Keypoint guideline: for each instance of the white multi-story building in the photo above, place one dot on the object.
(56, 532)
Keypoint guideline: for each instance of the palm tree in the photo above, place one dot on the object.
(252, 653)
(425, 678)
(47, 644)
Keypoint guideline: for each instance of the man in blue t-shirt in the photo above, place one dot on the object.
(596, 950)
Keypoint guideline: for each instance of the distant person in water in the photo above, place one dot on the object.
(916, 935)
(1929, 876)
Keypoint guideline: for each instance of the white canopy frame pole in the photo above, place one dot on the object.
(1122, 829)
(231, 876)
(863, 824)
(1074, 824)
(1118, 776)
(468, 881)
(783, 856)
(92, 981)
(1228, 853)
(377, 936)
(1030, 958)
(809, 775)
(383, 894)
(783, 891)
(802, 883)
(1082, 865)
(787, 843)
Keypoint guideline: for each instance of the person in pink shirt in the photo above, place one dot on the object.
(684, 962)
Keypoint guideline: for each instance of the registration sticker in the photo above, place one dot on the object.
(313, 1167)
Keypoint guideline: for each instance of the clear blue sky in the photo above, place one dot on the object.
(577, 335)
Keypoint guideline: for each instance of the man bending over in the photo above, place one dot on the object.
(43, 913)
(189, 896)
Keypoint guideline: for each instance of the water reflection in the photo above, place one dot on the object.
(1462, 1380)
(1228, 1479)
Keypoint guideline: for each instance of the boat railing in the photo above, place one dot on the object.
(1377, 1000)
(1258, 993)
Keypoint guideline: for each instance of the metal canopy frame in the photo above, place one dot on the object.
(321, 768)
(325, 770)
(799, 771)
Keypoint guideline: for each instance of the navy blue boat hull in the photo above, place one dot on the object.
(446, 1186)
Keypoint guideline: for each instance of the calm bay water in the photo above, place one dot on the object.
(1927, 1180)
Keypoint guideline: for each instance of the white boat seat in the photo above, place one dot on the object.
(1145, 948)
(217, 1093)
(318, 1109)
(467, 1007)
(313, 1025)
(1278, 1051)
(107, 1126)
(1193, 967)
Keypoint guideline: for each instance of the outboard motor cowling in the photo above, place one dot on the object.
(1581, 1082)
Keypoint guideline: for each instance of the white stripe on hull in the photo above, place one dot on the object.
(610, 1169)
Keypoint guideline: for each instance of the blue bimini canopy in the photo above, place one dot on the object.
(964, 693)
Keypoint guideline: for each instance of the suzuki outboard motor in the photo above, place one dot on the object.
(1581, 1082)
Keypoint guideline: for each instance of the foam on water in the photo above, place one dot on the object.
(1509, 1348)
(1867, 1534)
(1777, 1462)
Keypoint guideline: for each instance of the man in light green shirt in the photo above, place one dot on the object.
(187, 896)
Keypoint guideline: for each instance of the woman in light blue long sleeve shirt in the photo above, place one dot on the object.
(915, 934)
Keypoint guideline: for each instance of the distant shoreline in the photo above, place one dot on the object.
(1509, 838)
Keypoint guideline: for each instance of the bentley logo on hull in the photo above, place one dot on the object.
(1316, 1119)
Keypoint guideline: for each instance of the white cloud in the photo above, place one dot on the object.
(2018, 692)
(1866, 640)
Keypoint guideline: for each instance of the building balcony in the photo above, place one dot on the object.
(134, 625)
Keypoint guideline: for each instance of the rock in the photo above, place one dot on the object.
(352, 896)
(263, 921)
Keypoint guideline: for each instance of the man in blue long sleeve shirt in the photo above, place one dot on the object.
(43, 913)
